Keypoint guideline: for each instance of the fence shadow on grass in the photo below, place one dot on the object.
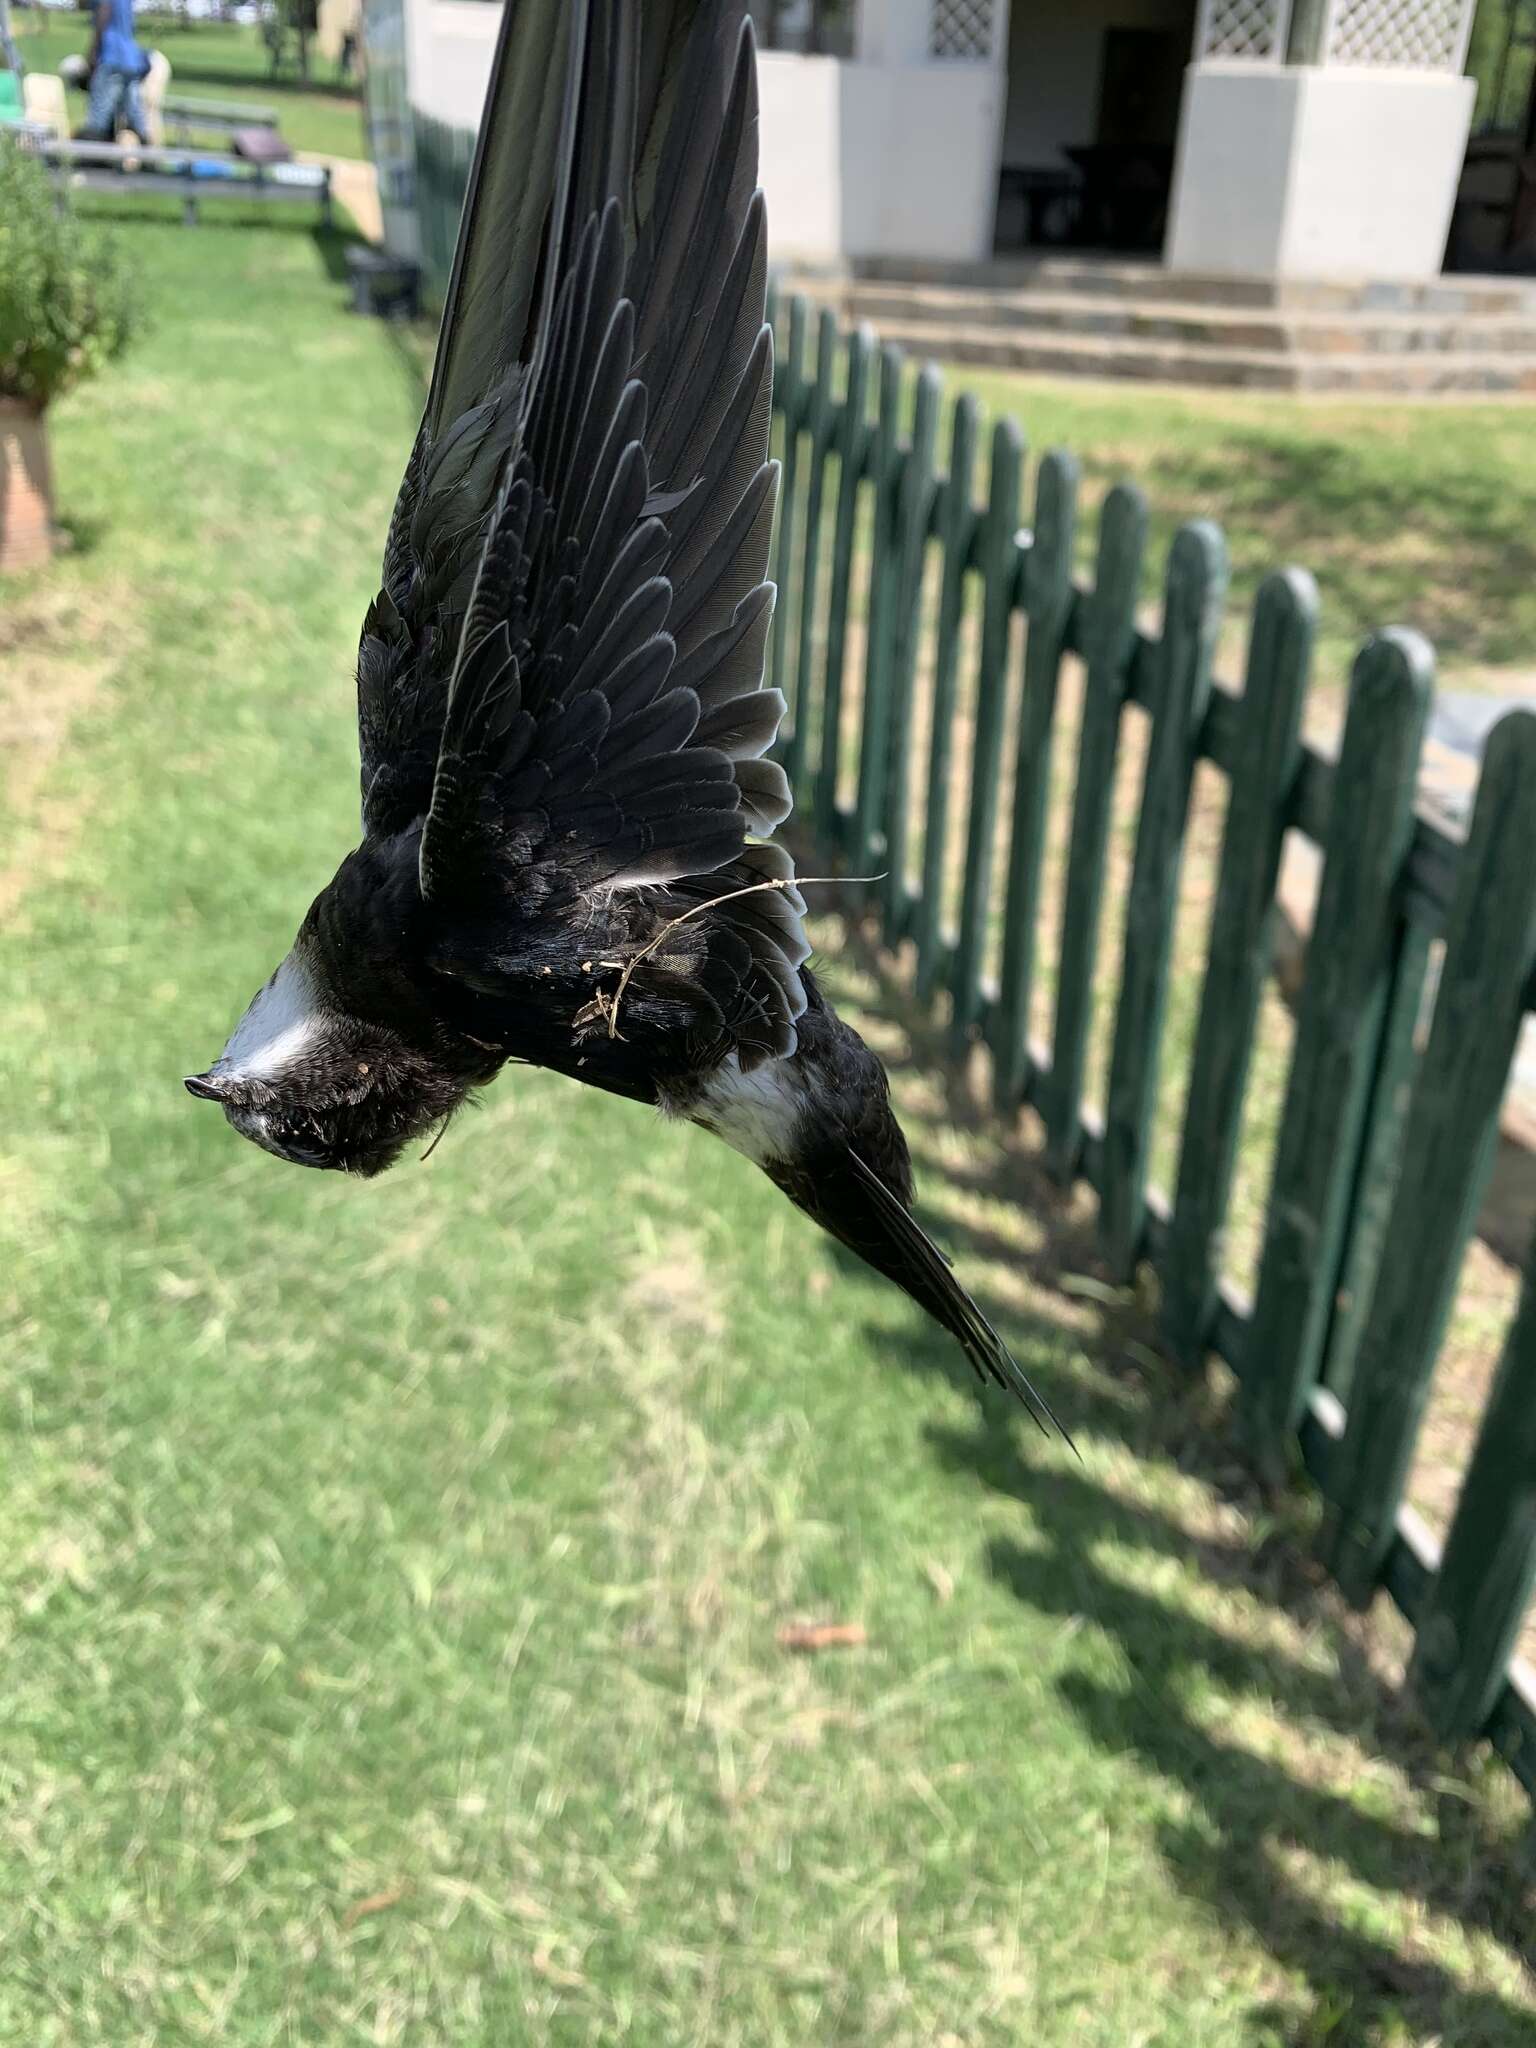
(1260, 1818)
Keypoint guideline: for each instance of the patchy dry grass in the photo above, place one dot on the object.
(1408, 515)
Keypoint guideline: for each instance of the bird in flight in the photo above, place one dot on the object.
(567, 795)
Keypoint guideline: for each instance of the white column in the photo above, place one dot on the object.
(1346, 168)
(894, 154)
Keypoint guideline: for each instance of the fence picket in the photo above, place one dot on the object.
(1338, 1031)
(818, 424)
(1196, 585)
(880, 646)
(913, 510)
(1369, 1206)
(958, 529)
(1110, 636)
(1242, 938)
(789, 373)
(998, 553)
(1490, 950)
(1048, 599)
(852, 454)
(1488, 1569)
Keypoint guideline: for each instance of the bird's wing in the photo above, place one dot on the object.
(567, 651)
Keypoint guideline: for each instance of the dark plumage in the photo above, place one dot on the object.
(562, 719)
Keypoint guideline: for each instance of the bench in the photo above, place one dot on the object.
(220, 117)
(187, 175)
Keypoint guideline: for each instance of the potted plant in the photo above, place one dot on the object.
(66, 308)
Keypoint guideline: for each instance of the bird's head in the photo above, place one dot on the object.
(306, 1080)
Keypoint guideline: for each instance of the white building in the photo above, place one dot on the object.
(1273, 138)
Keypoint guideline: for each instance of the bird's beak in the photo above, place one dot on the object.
(205, 1087)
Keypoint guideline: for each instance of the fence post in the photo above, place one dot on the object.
(1490, 950)
(1047, 603)
(819, 420)
(879, 650)
(959, 521)
(913, 510)
(1191, 623)
(1241, 947)
(790, 375)
(998, 552)
(1349, 959)
(1110, 641)
(852, 449)
(1477, 1602)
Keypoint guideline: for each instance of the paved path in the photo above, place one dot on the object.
(354, 185)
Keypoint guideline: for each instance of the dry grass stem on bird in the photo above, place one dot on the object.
(564, 728)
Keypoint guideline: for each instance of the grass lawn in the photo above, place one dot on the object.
(393, 1574)
(214, 60)
(1415, 515)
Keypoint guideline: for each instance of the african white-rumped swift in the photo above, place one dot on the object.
(566, 789)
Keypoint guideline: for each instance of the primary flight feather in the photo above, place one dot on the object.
(566, 791)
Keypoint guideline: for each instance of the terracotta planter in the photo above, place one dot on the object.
(26, 488)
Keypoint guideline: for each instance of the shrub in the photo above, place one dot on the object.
(67, 305)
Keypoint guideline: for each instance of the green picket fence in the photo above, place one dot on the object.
(895, 580)
(444, 154)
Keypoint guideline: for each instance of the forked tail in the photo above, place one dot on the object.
(850, 1200)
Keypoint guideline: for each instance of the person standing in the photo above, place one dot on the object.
(118, 63)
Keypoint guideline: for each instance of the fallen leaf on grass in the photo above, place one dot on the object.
(1144, 1356)
(557, 1973)
(247, 1830)
(942, 1581)
(1090, 1289)
(376, 1902)
(806, 1636)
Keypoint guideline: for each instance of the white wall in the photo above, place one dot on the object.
(1307, 172)
(451, 46)
(874, 160)
(800, 153)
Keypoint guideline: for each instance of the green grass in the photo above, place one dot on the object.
(1415, 515)
(392, 1574)
(215, 60)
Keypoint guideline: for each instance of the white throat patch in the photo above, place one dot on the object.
(283, 1022)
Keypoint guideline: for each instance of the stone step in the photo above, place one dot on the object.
(1108, 278)
(1173, 362)
(1284, 333)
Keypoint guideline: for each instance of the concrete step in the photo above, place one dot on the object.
(1285, 333)
(1050, 353)
(1086, 355)
(1110, 278)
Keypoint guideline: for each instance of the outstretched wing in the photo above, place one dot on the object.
(564, 666)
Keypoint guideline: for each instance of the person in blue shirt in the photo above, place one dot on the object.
(117, 63)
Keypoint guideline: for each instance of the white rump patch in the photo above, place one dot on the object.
(282, 1023)
(757, 1114)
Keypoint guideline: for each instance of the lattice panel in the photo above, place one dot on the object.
(1251, 30)
(1425, 35)
(962, 29)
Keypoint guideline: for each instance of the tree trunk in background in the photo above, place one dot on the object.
(26, 489)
